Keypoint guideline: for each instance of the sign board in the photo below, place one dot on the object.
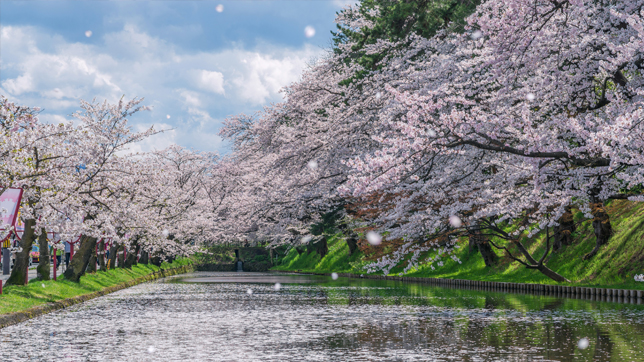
(9, 206)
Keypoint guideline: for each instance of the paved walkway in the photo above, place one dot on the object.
(32, 272)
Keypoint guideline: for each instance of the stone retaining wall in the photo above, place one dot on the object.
(599, 294)
(18, 317)
(246, 266)
(256, 267)
(216, 267)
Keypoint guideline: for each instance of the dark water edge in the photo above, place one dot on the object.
(210, 316)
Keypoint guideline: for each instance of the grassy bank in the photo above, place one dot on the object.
(614, 266)
(20, 298)
(336, 260)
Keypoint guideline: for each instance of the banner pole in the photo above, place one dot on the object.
(54, 250)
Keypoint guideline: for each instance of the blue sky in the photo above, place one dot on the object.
(189, 61)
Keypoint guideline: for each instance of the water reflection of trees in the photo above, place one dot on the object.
(492, 324)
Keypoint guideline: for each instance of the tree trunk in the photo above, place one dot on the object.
(350, 237)
(101, 255)
(121, 257)
(480, 243)
(130, 260)
(144, 257)
(601, 225)
(78, 264)
(551, 274)
(156, 260)
(530, 262)
(21, 265)
(539, 265)
(563, 232)
(91, 265)
(43, 259)
(137, 250)
(319, 245)
(352, 243)
(489, 256)
(111, 264)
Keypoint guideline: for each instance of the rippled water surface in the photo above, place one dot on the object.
(241, 317)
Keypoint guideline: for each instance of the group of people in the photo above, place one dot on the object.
(59, 254)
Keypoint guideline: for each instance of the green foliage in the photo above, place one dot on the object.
(336, 260)
(215, 255)
(613, 267)
(395, 20)
(260, 258)
(280, 253)
(328, 224)
(249, 254)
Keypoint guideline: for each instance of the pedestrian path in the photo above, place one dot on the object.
(32, 273)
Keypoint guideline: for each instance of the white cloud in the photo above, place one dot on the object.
(263, 75)
(69, 72)
(53, 118)
(46, 70)
(211, 81)
(19, 85)
(158, 141)
(190, 98)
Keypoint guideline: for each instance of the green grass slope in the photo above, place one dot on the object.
(19, 298)
(614, 266)
(336, 260)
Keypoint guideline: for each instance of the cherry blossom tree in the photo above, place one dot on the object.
(537, 109)
(81, 180)
(492, 128)
(291, 159)
(504, 127)
(34, 156)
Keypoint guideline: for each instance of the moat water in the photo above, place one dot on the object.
(245, 317)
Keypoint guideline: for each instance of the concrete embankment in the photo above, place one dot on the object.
(18, 317)
(562, 291)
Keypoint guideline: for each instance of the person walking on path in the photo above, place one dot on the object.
(59, 254)
(68, 249)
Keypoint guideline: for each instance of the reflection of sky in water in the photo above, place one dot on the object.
(323, 320)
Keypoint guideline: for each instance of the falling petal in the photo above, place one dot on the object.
(168, 116)
(306, 239)
(455, 221)
(374, 238)
(583, 343)
(313, 164)
(277, 287)
(530, 96)
(249, 291)
(334, 276)
(151, 349)
(219, 8)
(309, 31)
(88, 33)
(477, 34)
